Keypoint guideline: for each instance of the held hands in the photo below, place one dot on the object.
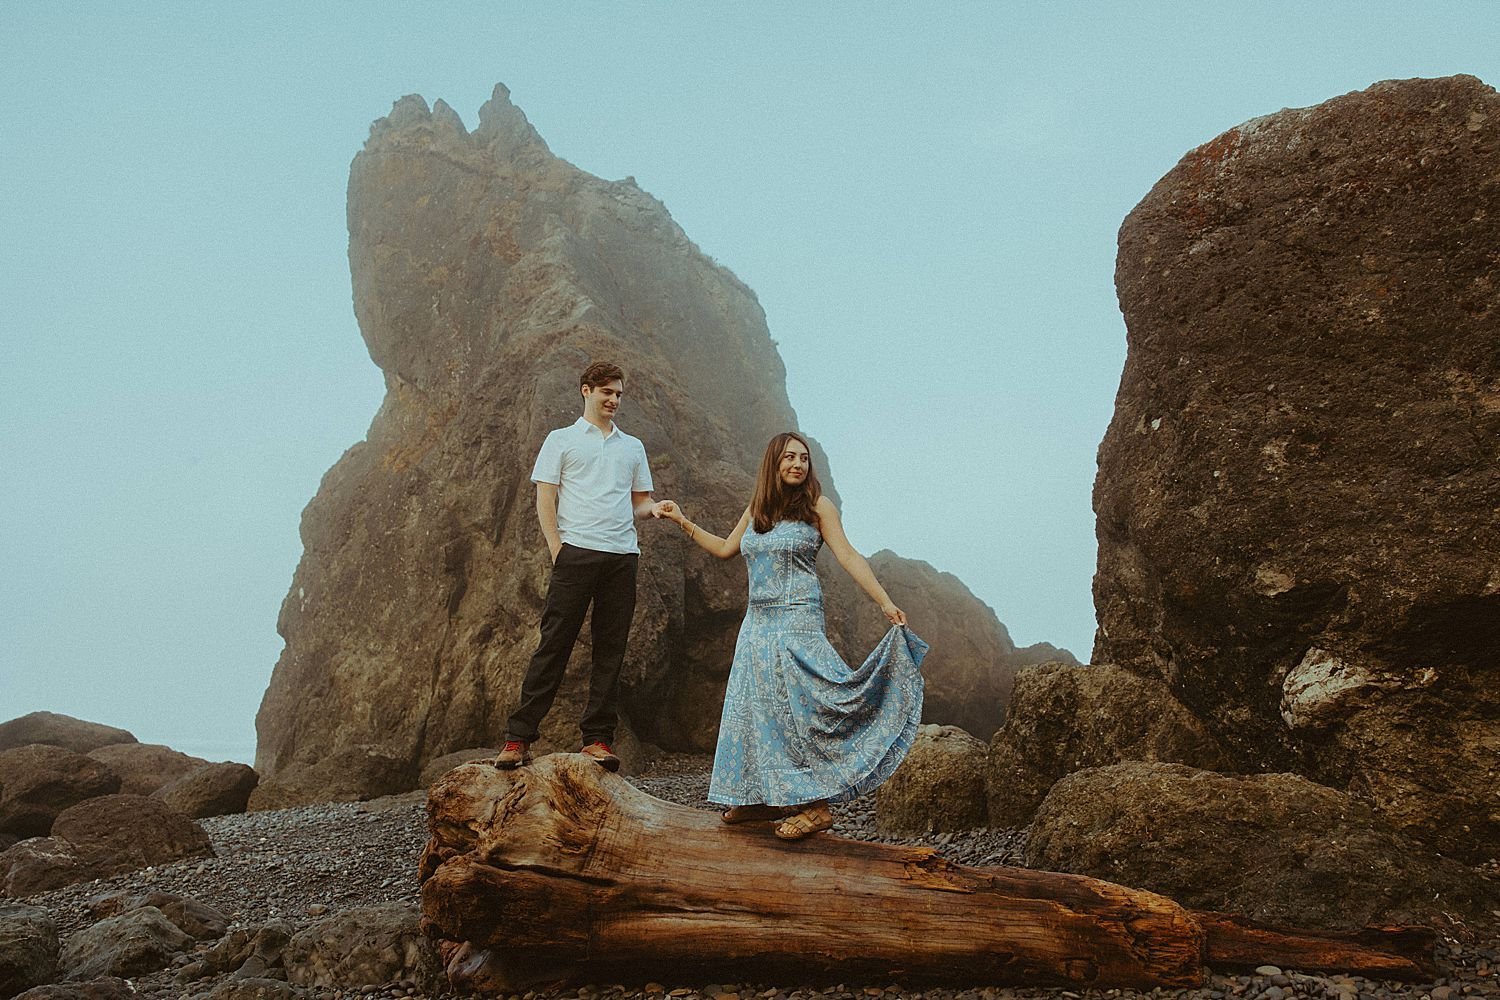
(668, 509)
(893, 614)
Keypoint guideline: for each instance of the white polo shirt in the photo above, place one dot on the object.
(595, 474)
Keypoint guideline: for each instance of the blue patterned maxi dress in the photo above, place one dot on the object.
(799, 723)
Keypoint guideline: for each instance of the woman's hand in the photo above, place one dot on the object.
(669, 510)
(893, 614)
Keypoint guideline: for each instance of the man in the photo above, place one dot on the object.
(592, 482)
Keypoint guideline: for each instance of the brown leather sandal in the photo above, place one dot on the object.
(749, 814)
(811, 820)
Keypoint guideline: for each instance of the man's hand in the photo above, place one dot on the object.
(664, 508)
(554, 548)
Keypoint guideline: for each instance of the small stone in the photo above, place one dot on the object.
(1442, 993)
(1274, 993)
(680, 991)
(1267, 970)
(1281, 979)
(655, 988)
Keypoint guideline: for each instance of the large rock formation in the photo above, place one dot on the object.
(1298, 498)
(487, 274)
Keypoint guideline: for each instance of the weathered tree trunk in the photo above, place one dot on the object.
(560, 871)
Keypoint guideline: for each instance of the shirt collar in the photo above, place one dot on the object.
(582, 424)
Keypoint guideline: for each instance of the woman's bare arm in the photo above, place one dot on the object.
(723, 548)
(832, 527)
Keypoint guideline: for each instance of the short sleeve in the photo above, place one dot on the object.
(548, 467)
(642, 480)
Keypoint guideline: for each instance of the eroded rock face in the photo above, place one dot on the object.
(487, 275)
(939, 787)
(1273, 847)
(1064, 718)
(1298, 498)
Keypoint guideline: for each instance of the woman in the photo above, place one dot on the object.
(800, 727)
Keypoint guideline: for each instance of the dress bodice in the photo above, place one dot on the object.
(783, 564)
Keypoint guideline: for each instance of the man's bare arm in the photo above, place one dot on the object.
(546, 514)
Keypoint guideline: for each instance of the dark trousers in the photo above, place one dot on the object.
(580, 577)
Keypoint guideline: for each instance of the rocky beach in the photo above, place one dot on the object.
(297, 867)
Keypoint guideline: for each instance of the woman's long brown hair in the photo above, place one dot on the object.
(776, 501)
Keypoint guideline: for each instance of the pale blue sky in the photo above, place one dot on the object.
(925, 198)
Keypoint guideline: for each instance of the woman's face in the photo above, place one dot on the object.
(795, 463)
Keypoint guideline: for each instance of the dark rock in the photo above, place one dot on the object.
(211, 790)
(1297, 497)
(102, 988)
(8, 840)
(370, 944)
(40, 864)
(195, 919)
(487, 274)
(132, 944)
(28, 948)
(59, 731)
(1064, 718)
(249, 953)
(39, 780)
(939, 787)
(1276, 848)
(122, 833)
(145, 767)
(349, 774)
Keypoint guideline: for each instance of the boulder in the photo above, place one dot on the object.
(196, 919)
(59, 731)
(123, 833)
(40, 864)
(38, 781)
(145, 767)
(28, 948)
(1276, 848)
(210, 790)
(369, 944)
(349, 774)
(249, 953)
(1298, 503)
(102, 988)
(133, 944)
(938, 788)
(1063, 718)
(487, 274)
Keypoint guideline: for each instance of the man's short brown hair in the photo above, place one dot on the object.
(600, 373)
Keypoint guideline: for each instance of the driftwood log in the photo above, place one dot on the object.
(560, 871)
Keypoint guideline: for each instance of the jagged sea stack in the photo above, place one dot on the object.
(487, 274)
(1298, 498)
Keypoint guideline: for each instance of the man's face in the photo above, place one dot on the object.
(601, 401)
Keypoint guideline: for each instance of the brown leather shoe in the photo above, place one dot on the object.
(513, 754)
(602, 755)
